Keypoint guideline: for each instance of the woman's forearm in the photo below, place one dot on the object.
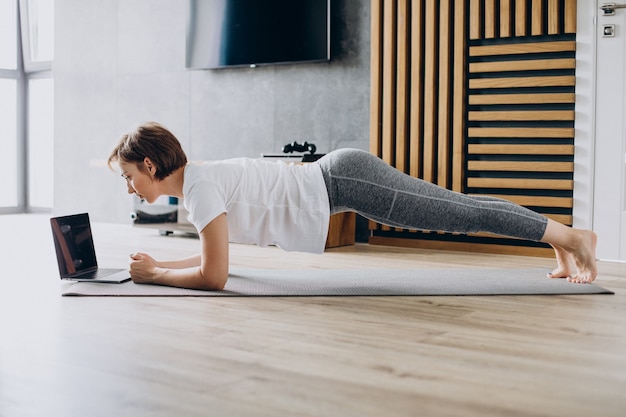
(145, 270)
(192, 278)
(192, 261)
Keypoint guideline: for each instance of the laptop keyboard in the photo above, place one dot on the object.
(99, 273)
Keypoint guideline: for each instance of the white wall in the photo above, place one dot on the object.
(119, 63)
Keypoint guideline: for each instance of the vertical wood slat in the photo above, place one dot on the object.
(570, 16)
(402, 86)
(417, 88)
(490, 19)
(536, 17)
(520, 18)
(475, 20)
(505, 18)
(389, 80)
(458, 109)
(376, 75)
(553, 17)
(430, 56)
(443, 127)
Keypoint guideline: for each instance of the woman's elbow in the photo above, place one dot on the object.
(215, 281)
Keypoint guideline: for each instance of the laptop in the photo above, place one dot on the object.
(76, 254)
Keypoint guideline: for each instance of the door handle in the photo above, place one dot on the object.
(608, 9)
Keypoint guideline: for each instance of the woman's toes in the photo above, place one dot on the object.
(559, 273)
(579, 279)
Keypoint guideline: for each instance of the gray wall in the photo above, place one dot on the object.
(119, 63)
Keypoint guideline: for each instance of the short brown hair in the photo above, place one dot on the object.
(155, 142)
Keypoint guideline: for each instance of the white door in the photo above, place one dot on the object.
(609, 201)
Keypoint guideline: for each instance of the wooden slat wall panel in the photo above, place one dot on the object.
(520, 118)
(523, 143)
(477, 96)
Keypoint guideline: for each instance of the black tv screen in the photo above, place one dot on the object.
(231, 33)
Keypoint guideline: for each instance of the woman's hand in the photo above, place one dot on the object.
(143, 268)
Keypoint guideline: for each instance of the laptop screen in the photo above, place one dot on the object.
(73, 244)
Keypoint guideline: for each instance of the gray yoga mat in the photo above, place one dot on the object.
(352, 282)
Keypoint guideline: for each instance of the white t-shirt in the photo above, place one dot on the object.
(266, 202)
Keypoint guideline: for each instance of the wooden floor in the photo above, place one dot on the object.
(320, 356)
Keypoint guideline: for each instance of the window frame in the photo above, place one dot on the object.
(26, 69)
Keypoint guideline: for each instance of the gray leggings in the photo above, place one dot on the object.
(359, 181)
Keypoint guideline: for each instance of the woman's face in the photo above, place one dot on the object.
(140, 182)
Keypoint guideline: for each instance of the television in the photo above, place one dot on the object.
(237, 33)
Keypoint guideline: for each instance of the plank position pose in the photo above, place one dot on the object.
(272, 203)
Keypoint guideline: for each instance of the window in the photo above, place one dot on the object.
(8, 142)
(8, 104)
(40, 142)
(8, 33)
(26, 105)
(38, 32)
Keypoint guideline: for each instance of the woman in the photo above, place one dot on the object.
(287, 205)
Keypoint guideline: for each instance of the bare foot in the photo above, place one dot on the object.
(575, 252)
(565, 264)
(584, 255)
